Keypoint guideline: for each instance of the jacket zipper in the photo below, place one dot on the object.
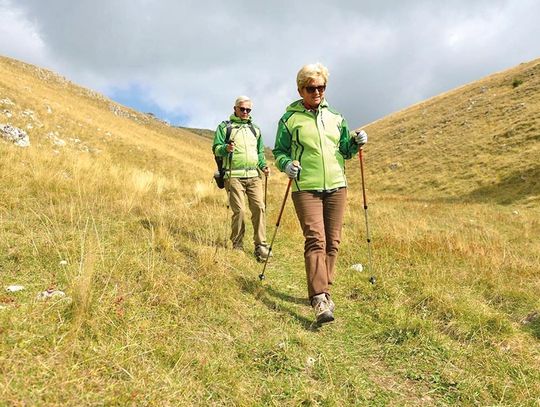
(320, 144)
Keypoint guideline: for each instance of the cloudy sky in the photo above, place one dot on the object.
(187, 60)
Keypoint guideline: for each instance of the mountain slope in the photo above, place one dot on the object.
(118, 211)
(480, 142)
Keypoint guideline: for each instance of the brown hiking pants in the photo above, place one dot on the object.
(321, 217)
(253, 189)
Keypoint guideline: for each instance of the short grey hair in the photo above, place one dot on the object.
(241, 99)
(311, 72)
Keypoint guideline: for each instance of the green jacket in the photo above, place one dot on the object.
(320, 140)
(248, 155)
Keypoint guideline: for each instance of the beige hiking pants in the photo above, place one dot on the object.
(253, 189)
(321, 218)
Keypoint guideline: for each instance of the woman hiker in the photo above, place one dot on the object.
(318, 137)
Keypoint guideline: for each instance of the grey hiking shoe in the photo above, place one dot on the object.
(331, 304)
(262, 252)
(324, 308)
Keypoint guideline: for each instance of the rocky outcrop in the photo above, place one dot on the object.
(14, 135)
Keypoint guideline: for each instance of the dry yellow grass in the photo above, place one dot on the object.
(160, 312)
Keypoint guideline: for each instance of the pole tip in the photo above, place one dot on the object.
(262, 277)
(372, 280)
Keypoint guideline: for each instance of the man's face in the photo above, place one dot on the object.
(243, 109)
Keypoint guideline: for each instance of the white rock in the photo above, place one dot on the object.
(45, 295)
(310, 361)
(15, 135)
(63, 262)
(14, 288)
(28, 113)
(6, 102)
(57, 141)
(357, 267)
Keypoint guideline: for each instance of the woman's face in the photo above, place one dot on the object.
(313, 93)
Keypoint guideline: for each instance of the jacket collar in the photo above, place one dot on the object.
(298, 106)
(235, 119)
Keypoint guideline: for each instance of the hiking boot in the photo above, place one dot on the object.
(262, 252)
(331, 304)
(321, 306)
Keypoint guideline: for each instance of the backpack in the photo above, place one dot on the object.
(219, 175)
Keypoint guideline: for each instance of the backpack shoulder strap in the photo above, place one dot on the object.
(228, 131)
(228, 123)
(252, 128)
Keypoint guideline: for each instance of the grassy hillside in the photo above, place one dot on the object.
(123, 217)
(477, 143)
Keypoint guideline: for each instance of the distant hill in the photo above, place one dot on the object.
(209, 134)
(479, 142)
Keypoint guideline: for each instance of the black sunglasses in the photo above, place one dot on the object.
(244, 109)
(312, 89)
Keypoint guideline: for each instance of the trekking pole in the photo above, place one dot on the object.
(360, 157)
(261, 276)
(230, 169)
(230, 178)
(265, 189)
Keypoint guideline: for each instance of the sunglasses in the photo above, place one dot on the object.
(312, 89)
(244, 109)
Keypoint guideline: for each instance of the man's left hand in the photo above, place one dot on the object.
(266, 171)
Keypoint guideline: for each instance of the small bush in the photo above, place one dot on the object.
(516, 82)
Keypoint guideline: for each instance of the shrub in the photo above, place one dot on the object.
(516, 82)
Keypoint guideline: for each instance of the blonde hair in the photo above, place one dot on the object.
(310, 72)
(241, 99)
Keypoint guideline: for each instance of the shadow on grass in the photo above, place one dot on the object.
(516, 186)
(268, 295)
(531, 324)
(218, 243)
(286, 297)
(534, 329)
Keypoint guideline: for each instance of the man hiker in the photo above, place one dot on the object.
(238, 141)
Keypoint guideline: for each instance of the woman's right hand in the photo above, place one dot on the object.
(292, 169)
